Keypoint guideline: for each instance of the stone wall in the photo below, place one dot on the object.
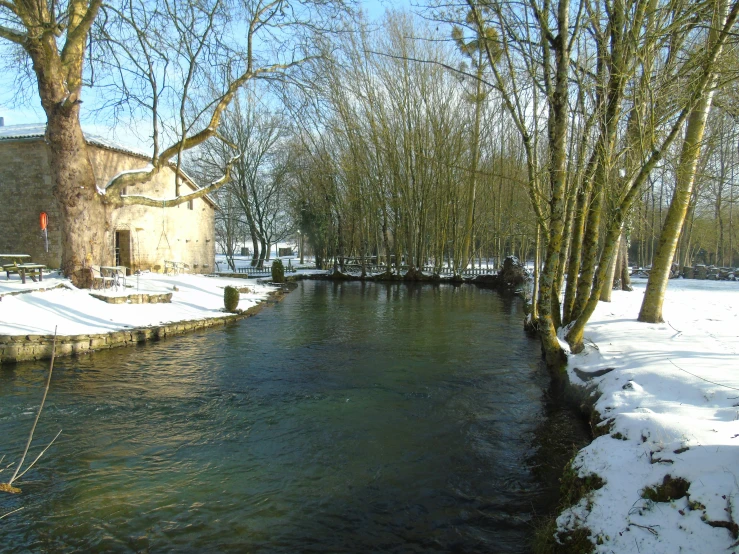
(183, 234)
(135, 298)
(23, 348)
(25, 192)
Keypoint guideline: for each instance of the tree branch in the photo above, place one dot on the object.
(12, 35)
(77, 36)
(138, 200)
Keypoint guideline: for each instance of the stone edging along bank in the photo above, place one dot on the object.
(22, 348)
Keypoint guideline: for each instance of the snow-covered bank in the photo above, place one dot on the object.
(73, 311)
(670, 406)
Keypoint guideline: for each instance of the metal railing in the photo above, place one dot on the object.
(446, 271)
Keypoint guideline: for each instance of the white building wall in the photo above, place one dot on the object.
(180, 233)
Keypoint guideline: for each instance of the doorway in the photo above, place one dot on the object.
(123, 249)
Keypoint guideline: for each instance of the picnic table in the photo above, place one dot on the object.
(22, 265)
(16, 258)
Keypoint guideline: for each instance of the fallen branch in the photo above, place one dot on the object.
(646, 527)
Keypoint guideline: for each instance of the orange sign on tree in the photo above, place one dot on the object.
(44, 220)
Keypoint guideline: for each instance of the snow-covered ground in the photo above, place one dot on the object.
(672, 401)
(74, 311)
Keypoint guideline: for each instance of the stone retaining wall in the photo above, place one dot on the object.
(136, 298)
(17, 292)
(22, 348)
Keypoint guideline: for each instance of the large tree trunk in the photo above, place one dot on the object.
(84, 220)
(256, 236)
(610, 246)
(263, 253)
(553, 352)
(573, 267)
(589, 256)
(623, 274)
(607, 288)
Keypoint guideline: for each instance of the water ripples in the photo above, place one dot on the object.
(347, 418)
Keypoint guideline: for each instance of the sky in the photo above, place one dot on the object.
(31, 111)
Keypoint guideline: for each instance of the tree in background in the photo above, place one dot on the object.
(258, 178)
(486, 38)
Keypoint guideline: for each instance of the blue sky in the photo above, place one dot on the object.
(31, 111)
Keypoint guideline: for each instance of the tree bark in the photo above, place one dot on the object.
(84, 217)
(651, 309)
(575, 258)
(59, 81)
(553, 351)
(607, 288)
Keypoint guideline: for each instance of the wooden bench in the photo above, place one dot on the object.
(15, 260)
(29, 269)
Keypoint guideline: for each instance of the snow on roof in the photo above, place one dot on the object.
(11, 132)
(38, 130)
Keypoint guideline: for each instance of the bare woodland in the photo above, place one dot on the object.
(577, 133)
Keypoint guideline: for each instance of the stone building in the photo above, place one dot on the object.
(140, 237)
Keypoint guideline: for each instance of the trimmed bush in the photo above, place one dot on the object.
(278, 271)
(231, 299)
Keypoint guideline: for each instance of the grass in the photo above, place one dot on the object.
(670, 489)
(575, 541)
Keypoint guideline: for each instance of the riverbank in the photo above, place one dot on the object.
(662, 472)
(92, 320)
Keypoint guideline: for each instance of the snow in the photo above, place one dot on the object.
(672, 398)
(673, 402)
(141, 170)
(73, 311)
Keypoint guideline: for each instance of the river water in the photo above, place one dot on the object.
(348, 418)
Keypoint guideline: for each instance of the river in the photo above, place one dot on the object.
(348, 418)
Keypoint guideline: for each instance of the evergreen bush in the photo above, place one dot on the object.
(278, 271)
(230, 299)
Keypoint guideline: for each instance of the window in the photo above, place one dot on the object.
(190, 204)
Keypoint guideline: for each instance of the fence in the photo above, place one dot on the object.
(373, 268)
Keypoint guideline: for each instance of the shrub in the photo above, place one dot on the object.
(278, 272)
(230, 299)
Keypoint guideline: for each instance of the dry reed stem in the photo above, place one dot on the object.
(16, 510)
(8, 487)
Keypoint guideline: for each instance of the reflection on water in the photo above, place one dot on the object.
(349, 418)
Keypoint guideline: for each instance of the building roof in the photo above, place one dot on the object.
(38, 130)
